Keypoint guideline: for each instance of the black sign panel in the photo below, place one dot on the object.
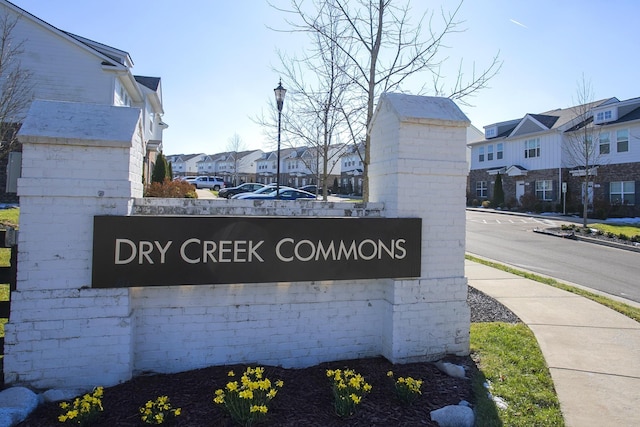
(157, 251)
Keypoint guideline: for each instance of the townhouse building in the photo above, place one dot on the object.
(185, 164)
(552, 160)
(267, 166)
(68, 67)
(235, 167)
(352, 170)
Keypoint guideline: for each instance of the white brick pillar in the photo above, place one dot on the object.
(418, 169)
(79, 160)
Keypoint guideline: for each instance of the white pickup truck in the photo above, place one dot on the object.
(211, 182)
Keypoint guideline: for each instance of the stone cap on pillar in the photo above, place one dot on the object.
(74, 123)
(423, 109)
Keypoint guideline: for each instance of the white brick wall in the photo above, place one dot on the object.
(294, 325)
(418, 168)
(63, 334)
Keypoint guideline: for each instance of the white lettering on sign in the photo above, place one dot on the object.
(288, 250)
(143, 251)
(222, 251)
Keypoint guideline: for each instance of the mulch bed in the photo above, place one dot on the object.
(304, 400)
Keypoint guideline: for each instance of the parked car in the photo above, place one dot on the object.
(312, 188)
(266, 189)
(247, 187)
(211, 182)
(285, 194)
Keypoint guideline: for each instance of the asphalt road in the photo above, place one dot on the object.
(511, 240)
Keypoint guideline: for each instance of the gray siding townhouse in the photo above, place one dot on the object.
(67, 67)
(547, 161)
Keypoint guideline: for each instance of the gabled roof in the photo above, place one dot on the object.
(560, 118)
(152, 83)
(546, 120)
(184, 157)
(120, 56)
(111, 58)
(633, 115)
(90, 45)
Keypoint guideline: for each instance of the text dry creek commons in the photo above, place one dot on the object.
(197, 251)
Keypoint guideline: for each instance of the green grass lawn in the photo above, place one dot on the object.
(510, 360)
(627, 230)
(9, 217)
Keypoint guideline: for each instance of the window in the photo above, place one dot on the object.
(490, 132)
(490, 153)
(532, 148)
(622, 193)
(481, 154)
(622, 140)
(499, 151)
(604, 116)
(481, 188)
(604, 143)
(544, 189)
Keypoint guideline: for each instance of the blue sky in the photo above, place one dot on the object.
(216, 58)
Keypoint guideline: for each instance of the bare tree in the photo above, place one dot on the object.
(319, 88)
(15, 85)
(384, 50)
(235, 145)
(581, 146)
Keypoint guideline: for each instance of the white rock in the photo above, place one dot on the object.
(454, 416)
(452, 370)
(16, 403)
(500, 402)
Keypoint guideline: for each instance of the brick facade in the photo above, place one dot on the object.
(601, 183)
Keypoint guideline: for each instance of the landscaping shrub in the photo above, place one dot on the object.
(171, 189)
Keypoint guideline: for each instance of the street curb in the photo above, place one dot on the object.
(573, 236)
(565, 235)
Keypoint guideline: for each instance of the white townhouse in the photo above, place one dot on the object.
(298, 166)
(533, 156)
(267, 166)
(245, 166)
(68, 67)
(314, 160)
(296, 171)
(185, 164)
(234, 167)
(207, 164)
(352, 170)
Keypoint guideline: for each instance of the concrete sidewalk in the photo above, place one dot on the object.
(593, 353)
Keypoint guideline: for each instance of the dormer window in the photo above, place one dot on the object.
(605, 116)
(491, 132)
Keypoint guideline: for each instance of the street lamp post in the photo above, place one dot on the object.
(280, 92)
